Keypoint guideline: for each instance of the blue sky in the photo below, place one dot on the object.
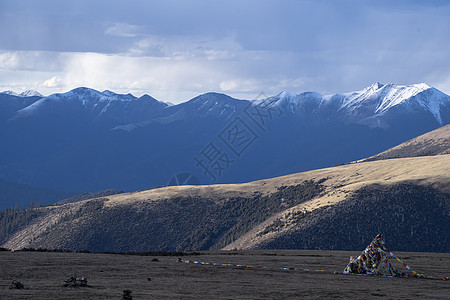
(175, 50)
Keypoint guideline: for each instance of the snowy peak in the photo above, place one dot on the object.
(434, 101)
(94, 95)
(27, 93)
(393, 95)
(371, 105)
(378, 99)
(108, 93)
(211, 101)
(30, 93)
(371, 102)
(376, 86)
(211, 104)
(293, 100)
(89, 98)
(382, 97)
(95, 104)
(211, 96)
(10, 93)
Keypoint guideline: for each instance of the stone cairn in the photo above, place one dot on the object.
(75, 282)
(127, 295)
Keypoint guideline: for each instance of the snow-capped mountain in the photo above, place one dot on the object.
(371, 105)
(86, 140)
(27, 93)
(97, 105)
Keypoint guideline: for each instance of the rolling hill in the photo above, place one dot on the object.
(341, 208)
(436, 142)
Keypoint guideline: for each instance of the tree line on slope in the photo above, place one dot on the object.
(412, 217)
(175, 224)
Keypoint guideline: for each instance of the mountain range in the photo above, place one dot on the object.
(86, 140)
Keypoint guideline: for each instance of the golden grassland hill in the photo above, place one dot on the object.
(334, 208)
(436, 142)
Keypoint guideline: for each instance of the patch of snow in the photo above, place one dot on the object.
(432, 100)
(105, 108)
(396, 94)
(284, 95)
(379, 97)
(30, 109)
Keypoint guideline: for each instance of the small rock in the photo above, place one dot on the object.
(75, 281)
(17, 285)
(127, 295)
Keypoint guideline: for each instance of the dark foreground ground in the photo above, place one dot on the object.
(108, 275)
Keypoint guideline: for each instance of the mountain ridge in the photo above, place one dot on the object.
(27, 93)
(376, 99)
(391, 95)
(86, 140)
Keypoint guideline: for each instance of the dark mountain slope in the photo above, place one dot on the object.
(412, 217)
(10, 104)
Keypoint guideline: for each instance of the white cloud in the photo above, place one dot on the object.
(229, 85)
(38, 61)
(9, 61)
(53, 82)
(172, 69)
(179, 50)
(444, 85)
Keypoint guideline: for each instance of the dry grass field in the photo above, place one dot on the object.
(109, 274)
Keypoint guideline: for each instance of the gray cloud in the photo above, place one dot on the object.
(241, 47)
(122, 30)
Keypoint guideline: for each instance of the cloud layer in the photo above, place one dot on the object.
(175, 50)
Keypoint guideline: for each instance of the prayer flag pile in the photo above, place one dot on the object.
(374, 261)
